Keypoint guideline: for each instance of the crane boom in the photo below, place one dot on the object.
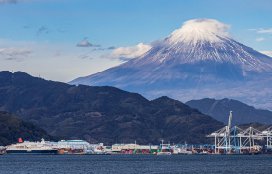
(230, 119)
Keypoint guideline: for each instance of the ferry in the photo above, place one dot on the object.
(28, 147)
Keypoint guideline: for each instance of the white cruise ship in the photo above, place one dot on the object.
(28, 147)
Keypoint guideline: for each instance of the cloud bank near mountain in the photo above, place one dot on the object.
(269, 53)
(130, 52)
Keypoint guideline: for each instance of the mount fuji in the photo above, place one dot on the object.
(198, 60)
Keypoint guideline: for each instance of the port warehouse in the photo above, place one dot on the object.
(81, 146)
(227, 140)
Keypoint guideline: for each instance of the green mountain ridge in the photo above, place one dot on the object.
(101, 114)
(12, 128)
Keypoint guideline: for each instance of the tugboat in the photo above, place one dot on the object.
(165, 149)
(27, 147)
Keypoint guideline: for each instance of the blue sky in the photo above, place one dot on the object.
(64, 39)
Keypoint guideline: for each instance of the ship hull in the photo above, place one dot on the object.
(32, 151)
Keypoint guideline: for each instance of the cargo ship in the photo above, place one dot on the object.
(27, 147)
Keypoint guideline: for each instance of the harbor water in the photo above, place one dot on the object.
(133, 164)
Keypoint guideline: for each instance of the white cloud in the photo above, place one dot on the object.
(13, 53)
(268, 53)
(260, 39)
(264, 31)
(125, 53)
(85, 43)
(54, 61)
(200, 29)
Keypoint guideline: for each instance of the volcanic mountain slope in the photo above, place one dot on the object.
(196, 61)
(12, 128)
(101, 114)
(242, 113)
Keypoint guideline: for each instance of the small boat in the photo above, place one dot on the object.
(165, 149)
(183, 151)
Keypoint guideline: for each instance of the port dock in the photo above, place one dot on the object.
(227, 140)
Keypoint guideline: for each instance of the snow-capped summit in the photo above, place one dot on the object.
(198, 60)
(201, 40)
(200, 30)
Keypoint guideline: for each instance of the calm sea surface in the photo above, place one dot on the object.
(132, 164)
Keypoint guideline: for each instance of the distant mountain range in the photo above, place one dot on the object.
(12, 128)
(242, 113)
(101, 114)
(198, 60)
